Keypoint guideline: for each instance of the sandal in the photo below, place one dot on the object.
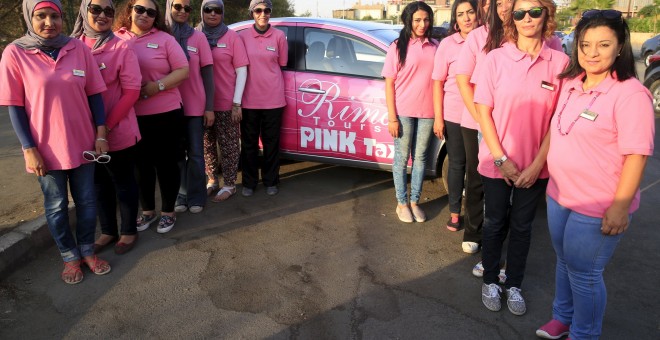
(224, 194)
(211, 188)
(70, 272)
(97, 266)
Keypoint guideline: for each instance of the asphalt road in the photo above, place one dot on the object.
(325, 259)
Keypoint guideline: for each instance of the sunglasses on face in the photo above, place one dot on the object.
(139, 10)
(97, 10)
(534, 12)
(216, 10)
(91, 156)
(263, 10)
(606, 13)
(179, 7)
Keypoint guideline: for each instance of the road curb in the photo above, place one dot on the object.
(24, 242)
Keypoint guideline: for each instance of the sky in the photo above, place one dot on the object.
(325, 7)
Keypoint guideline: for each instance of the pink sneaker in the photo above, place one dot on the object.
(552, 330)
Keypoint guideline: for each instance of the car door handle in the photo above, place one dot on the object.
(310, 90)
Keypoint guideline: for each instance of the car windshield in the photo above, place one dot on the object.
(387, 35)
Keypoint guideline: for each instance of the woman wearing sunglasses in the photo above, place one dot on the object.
(448, 107)
(197, 93)
(263, 100)
(230, 62)
(601, 135)
(163, 66)
(515, 96)
(115, 181)
(53, 86)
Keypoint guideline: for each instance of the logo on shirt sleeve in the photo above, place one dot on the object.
(102, 67)
(548, 86)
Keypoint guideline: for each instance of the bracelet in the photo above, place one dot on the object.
(394, 121)
(236, 104)
(101, 140)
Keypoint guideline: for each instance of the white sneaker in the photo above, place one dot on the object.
(180, 208)
(478, 270)
(470, 247)
(195, 209)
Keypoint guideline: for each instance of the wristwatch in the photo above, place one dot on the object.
(161, 86)
(499, 162)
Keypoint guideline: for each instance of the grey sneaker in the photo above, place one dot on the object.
(180, 208)
(404, 214)
(272, 191)
(247, 192)
(515, 301)
(195, 209)
(165, 224)
(490, 296)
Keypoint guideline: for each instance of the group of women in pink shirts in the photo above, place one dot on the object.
(523, 122)
(137, 96)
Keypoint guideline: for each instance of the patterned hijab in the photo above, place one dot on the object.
(181, 32)
(31, 40)
(82, 27)
(213, 34)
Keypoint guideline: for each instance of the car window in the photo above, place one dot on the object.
(336, 52)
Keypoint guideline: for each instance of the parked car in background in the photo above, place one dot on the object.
(649, 47)
(560, 34)
(336, 110)
(652, 79)
(567, 43)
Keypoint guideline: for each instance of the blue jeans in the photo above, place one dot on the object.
(582, 254)
(193, 178)
(56, 203)
(414, 137)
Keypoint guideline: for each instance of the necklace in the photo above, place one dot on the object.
(50, 53)
(576, 118)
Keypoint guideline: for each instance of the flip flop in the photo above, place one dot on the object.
(220, 196)
(97, 266)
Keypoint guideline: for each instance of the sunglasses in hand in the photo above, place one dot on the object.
(91, 156)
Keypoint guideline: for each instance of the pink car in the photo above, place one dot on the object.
(336, 111)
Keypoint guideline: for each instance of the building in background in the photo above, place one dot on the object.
(392, 10)
(629, 8)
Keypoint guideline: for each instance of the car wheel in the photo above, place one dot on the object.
(655, 92)
(445, 173)
(563, 47)
(647, 58)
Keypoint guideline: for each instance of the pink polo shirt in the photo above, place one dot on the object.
(585, 165)
(228, 55)
(413, 85)
(192, 89)
(523, 94)
(54, 94)
(267, 52)
(158, 54)
(444, 70)
(120, 70)
(471, 54)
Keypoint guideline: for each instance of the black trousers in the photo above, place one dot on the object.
(115, 182)
(508, 209)
(159, 152)
(456, 171)
(474, 191)
(266, 124)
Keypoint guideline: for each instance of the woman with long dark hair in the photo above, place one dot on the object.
(448, 104)
(53, 86)
(164, 66)
(602, 134)
(409, 94)
(516, 91)
(115, 180)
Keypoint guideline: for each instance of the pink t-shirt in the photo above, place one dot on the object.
(228, 55)
(585, 165)
(54, 94)
(444, 69)
(120, 70)
(413, 86)
(267, 52)
(523, 94)
(471, 54)
(192, 89)
(158, 54)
